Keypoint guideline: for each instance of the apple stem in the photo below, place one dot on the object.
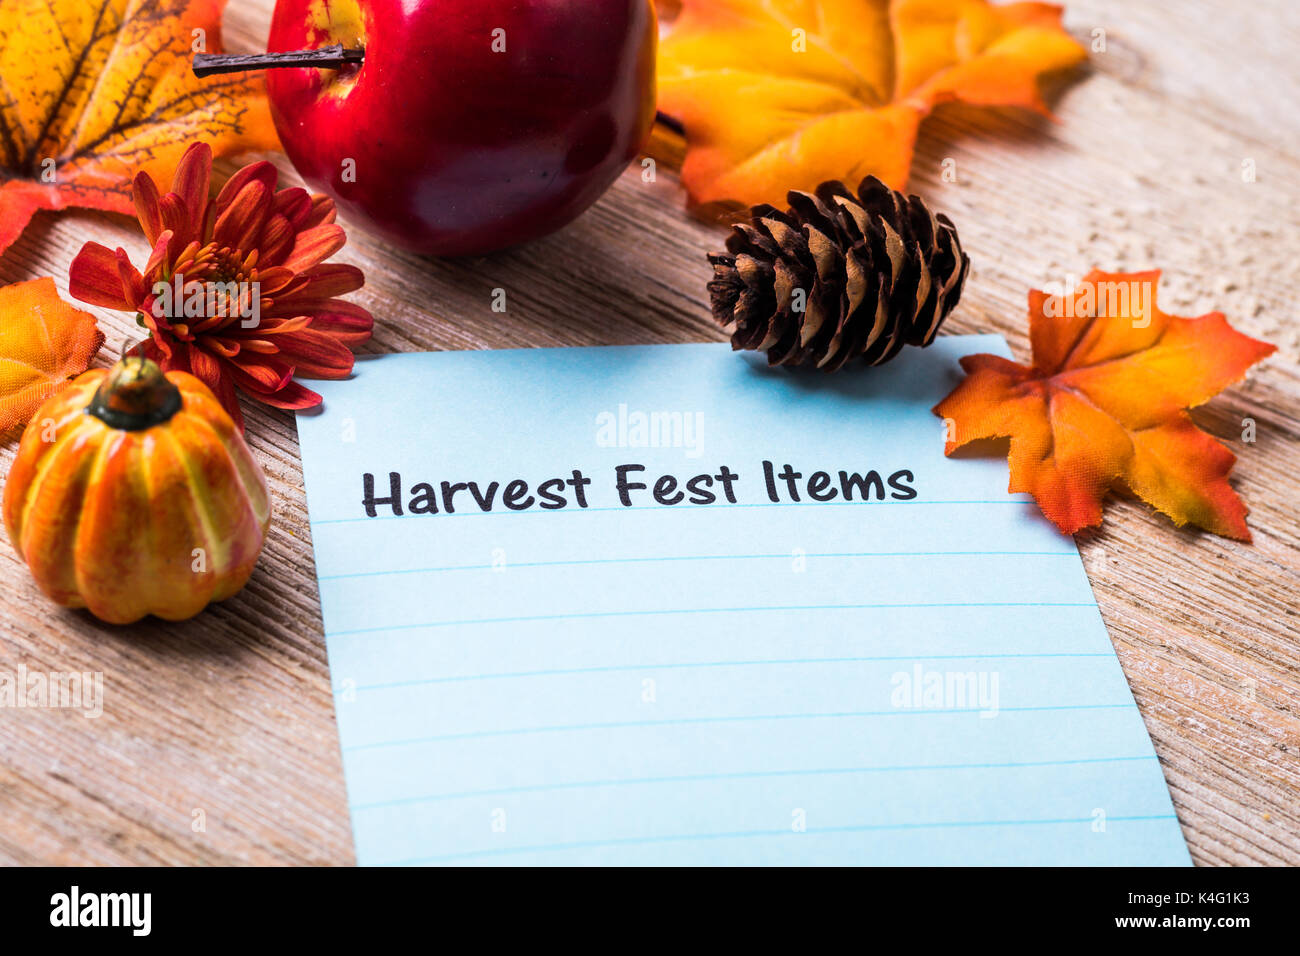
(325, 58)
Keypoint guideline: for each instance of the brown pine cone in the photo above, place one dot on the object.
(838, 276)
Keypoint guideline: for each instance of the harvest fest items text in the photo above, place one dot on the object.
(635, 488)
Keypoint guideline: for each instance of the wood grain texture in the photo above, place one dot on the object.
(231, 713)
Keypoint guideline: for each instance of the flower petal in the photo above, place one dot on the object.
(294, 395)
(273, 280)
(170, 354)
(224, 347)
(259, 376)
(347, 322)
(276, 241)
(278, 325)
(132, 281)
(191, 183)
(263, 172)
(144, 193)
(260, 346)
(93, 277)
(230, 401)
(328, 280)
(332, 279)
(295, 205)
(239, 224)
(315, 245)
(215, 374)
(322, 210)
(158, 256)
(193, 174)
(205, 367)
(176, 220)
(316, 354)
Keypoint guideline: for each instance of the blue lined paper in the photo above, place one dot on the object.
(922, 677)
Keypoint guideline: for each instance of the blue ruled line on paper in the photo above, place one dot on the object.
(673, 665)
(755, 774)
(697, 610)
(946, 712)
(754, 682)
(700, 557)
(686, 509)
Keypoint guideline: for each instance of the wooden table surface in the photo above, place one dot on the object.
(217, 743)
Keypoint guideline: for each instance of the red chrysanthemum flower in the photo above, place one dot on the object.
(236, 290)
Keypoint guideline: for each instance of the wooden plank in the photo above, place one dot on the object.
(230, 713)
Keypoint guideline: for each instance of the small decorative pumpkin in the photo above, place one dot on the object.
(133, 493)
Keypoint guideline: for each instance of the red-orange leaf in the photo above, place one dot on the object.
(43, 342)
(777, 95)
(92, 91)
(1105, 401)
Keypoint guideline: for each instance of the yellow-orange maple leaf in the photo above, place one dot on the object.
(93, 91)
(1104, 402)
(43, 342)
(784, 94)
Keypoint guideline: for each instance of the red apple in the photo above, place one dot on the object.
(469, 125)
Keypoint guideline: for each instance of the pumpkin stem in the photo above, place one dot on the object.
(135, 395)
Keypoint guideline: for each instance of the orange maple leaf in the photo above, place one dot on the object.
(43, 342)
(776, 95)
(1105, 401)
(92, 91)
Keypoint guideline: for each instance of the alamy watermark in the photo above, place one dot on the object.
(922, 689)
(1132, 298)
(67, 690)
(197, 300)
(131, 911)
(662, 429)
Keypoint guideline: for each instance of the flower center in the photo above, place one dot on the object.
(213, 264)
(210, 287)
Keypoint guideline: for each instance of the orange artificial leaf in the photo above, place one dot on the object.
(776, 95)
(93, 91)
(1105, 401)
(43, 343)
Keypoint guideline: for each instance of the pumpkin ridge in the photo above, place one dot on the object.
(144, 531)
(53, 453)
(251, 479)
(198, 405)
(255, 499)
(207, 526)
(78, 529)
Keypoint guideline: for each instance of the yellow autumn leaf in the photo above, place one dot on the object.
(93, 91)
(44, 341)
(776, 95)
(1105, 402)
